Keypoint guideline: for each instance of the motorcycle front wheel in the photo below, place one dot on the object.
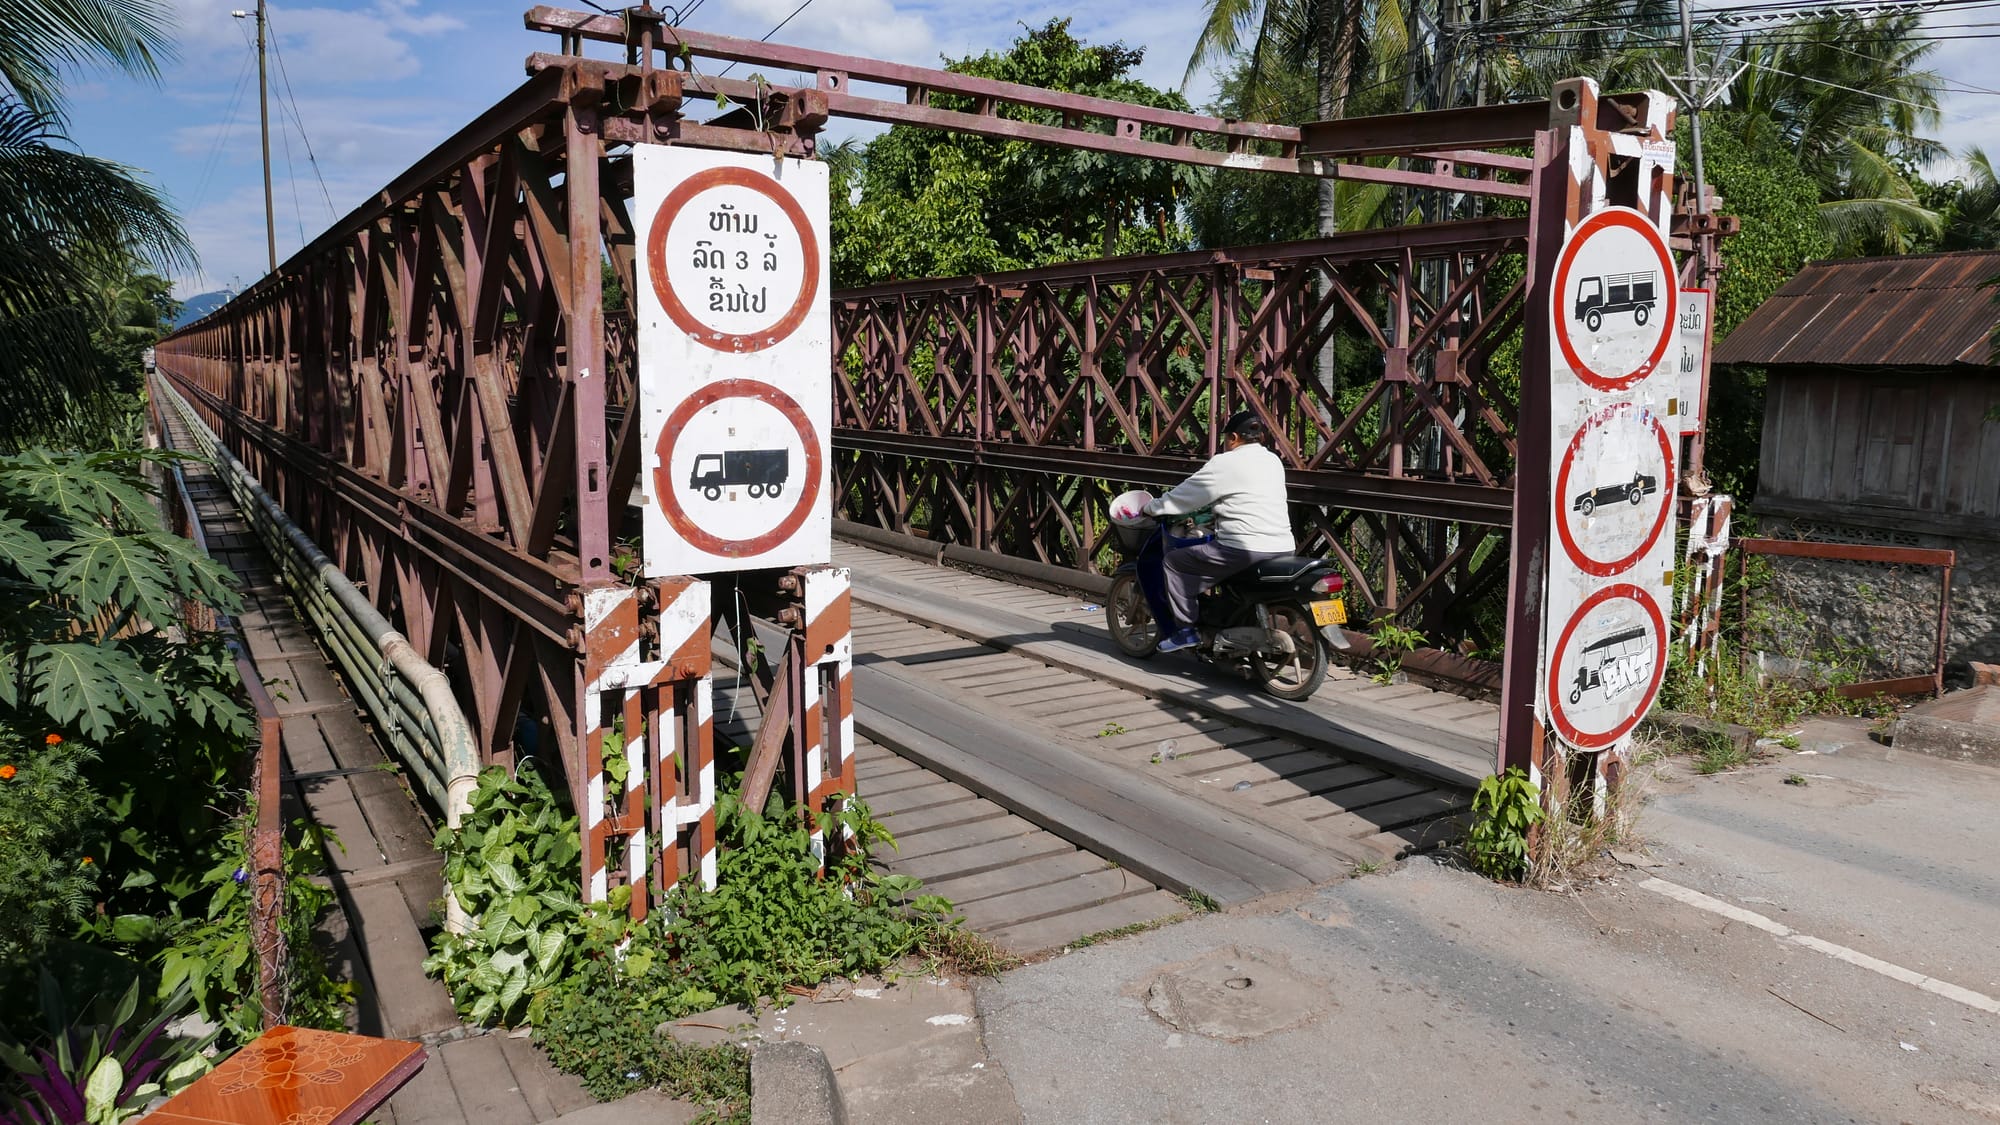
(1130, 619)
(1299, 676)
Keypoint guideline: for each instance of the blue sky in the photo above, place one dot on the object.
(380, 82)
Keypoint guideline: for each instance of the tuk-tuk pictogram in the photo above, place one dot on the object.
(1615, 664)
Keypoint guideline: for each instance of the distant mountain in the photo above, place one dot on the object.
(200, 305)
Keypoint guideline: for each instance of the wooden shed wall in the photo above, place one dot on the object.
(1906, 449)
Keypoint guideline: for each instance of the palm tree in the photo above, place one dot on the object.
(1972, 221)
(1352, 48)
(40, 39)
(67, 220)
(1850, 97)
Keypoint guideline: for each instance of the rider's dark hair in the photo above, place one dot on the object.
(1246, 425)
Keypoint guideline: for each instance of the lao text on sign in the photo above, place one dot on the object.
(735, 375)
(1697, 310)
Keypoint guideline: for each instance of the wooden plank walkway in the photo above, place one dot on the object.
(1025, 889)
(386, 875)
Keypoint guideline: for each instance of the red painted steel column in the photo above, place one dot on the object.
(1527, 576)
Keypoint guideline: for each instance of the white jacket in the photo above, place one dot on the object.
(1245, 487)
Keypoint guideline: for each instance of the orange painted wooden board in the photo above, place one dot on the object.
(296, 1076)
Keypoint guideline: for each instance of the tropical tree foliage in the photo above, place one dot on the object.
(1851, 99)
(1968, 206)
(40, 40)
(72, 226)
(937, 204)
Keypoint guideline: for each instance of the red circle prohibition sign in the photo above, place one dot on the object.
(1584, 740)
(1597, 221)
(663, 475)
(1577, 555)
(656, 260)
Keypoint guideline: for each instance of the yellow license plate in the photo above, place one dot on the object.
(1333, 611)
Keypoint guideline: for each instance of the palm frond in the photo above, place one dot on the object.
(41, 39)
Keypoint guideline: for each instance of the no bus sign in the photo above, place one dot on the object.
(1615, 379)
(735, 378)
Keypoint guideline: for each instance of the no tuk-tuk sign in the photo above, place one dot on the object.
(1615, 320)
(735, 380)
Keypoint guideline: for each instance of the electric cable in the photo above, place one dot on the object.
(299, 119)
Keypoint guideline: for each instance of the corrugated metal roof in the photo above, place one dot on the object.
(1922, 310)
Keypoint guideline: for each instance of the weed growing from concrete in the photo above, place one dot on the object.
(1585, 822)
(1715, 752)
(956, 951)
(1198, 901)
(1366, 867)
(1504, 810)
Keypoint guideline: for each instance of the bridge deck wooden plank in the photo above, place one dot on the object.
(1056, 932)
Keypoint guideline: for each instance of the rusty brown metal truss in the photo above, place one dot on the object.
(1005, 411)
(434, 391)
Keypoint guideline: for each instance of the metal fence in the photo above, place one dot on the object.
(1861, 618)
(266, 839)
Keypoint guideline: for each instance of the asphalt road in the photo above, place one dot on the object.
(1427, 993)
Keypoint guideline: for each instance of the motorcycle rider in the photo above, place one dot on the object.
(1244, 486)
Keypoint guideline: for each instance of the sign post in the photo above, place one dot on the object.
(1599, 450)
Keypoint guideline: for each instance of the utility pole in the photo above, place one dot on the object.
(1694, 111)
(264, 116)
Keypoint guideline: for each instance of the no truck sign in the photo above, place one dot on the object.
(735, 382)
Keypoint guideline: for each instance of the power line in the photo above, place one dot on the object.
(221, 138)
(766, 37)
(299, 120)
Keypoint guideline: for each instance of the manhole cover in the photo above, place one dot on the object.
(1235, 994)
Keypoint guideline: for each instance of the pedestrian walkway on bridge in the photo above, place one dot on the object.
(383, 868)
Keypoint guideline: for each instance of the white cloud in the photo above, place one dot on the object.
(874, 28)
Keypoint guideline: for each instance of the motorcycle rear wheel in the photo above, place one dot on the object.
(1130, 619)
(1297, 678)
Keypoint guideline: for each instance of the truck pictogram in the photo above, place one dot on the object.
(1635, 293)
(761, 472)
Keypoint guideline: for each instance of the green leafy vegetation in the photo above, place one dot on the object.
(124, 745)
(1392, 642)
(512, 865)
(98, 1063)
(597, 987)
(923, 203)
(214, 954)
(1504, 809)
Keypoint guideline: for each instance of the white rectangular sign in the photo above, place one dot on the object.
(735, 364)
(1697, 310)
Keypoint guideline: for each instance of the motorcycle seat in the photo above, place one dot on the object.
(1282, 569)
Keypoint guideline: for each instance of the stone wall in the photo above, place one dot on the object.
(1877, 620)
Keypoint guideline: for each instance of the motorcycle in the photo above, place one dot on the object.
(1274, 621)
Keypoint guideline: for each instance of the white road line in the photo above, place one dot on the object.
(1783, 932)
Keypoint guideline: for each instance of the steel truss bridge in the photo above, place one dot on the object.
(434, 391)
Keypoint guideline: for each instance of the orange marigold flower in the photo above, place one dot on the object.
(7, 773)
(53, 739)
(86, 859)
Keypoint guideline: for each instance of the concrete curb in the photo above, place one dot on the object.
(792, 1084)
